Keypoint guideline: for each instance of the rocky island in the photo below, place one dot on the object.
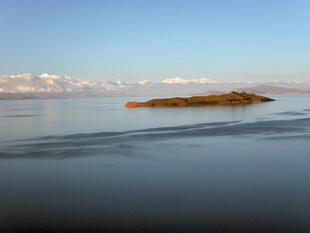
(233, 98)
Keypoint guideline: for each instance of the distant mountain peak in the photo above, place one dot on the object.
(179, 80)
(54, 85)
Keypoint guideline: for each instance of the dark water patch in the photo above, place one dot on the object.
(307, 109)
(20, 116)
(185, 127)
(56, 151)
(291, 113)
(300, 136)
(130, 143)
(263, 118)
(85, 135)
(177, 224)
(110, 165)
(113, 134)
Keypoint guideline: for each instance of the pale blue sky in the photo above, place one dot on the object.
(136, 40)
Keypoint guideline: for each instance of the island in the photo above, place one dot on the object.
(232, 98)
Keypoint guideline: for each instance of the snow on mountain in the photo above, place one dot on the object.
(51, 83)
(54, 83)
(179, 80)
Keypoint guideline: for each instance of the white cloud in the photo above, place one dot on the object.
(179, 80)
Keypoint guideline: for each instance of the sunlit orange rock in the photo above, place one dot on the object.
(131, 105)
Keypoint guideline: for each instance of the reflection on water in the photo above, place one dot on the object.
(243, 169)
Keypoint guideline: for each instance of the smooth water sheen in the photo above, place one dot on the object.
(91, 165)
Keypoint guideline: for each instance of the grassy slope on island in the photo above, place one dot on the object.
(232, 98)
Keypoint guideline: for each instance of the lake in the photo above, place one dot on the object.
(91, 165)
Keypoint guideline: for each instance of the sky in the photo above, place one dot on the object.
(225, 40)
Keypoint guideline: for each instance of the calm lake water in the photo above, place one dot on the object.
(91, 165)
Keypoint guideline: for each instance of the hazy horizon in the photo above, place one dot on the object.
(58, 84)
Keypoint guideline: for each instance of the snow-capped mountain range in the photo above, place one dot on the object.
(52, 85)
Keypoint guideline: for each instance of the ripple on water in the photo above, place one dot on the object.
(128, 143)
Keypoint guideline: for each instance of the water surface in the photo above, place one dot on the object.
(89, 165)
